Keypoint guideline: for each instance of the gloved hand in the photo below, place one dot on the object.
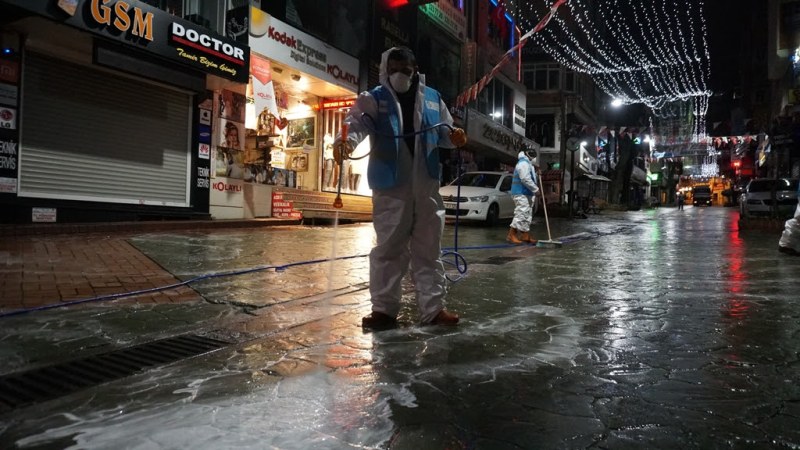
(342, 150)
(458, 137)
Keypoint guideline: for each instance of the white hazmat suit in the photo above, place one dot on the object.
(790, 239)
(523, 190)
(408, 215)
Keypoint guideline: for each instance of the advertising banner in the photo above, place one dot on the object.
(446, 15)
(263, 89)
(284, 208)
(9, 133)
(288, 45)
(9, 157)
(8, 118)
(9, 71)
(8, 94)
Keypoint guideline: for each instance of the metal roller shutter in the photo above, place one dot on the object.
(95, 136)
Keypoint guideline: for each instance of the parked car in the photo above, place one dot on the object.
(485, 196)
(757, 195)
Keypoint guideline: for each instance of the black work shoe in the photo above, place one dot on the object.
(378, 320)
(445, 318)
(788, 250)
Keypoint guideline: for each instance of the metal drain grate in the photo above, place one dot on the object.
(50, 382)
(498, 260)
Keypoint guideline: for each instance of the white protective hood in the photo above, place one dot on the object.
(534, 161)
(383, 73)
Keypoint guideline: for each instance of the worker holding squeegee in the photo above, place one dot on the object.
(523, 191)
(407, 122)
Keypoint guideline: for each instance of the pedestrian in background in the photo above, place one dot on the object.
(789, 242)
(403, 172)
(680, 199)
(523, 191)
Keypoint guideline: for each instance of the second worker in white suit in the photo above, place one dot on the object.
(523, 190)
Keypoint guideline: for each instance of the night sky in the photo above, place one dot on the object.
(729, 24)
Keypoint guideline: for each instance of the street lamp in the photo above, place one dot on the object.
(616, 103)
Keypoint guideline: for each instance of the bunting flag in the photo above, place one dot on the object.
(471, 93)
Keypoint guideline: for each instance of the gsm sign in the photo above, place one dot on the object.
(120, 16)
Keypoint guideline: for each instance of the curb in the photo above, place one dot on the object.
(144, 226)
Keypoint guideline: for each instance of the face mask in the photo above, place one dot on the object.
(400, 82)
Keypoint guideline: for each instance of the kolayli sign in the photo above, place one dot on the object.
(288, 45)
(140, 25)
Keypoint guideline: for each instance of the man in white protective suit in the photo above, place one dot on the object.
(399, 116)
(523, 191)
(790, 239)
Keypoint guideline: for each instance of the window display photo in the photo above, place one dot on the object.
(297, 161)
(300, 132)
(229, 163)
(231, 135)
(231, 105)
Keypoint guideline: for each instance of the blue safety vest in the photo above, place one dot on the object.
(517, 188)
(382, 168)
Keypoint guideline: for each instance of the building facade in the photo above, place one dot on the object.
(157, 109)
(106, 110)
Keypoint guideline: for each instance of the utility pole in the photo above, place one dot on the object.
(563, 149)
(571, 180)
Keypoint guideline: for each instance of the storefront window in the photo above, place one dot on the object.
(541, 128)
(281, 150)
(497, 102)
(352, 173)
(174, 7)
(439, 58)
(544, 77)
(206, 13)
(570, 81)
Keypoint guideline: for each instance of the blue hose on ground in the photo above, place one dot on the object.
(209, 276)
(230, 273)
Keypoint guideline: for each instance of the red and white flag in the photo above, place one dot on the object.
(471, 93)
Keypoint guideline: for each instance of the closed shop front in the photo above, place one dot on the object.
(113, 111)
(106, 138)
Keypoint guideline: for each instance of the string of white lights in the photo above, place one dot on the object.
(689, 51)
(622, 94)
(655, 52)
(656, 62)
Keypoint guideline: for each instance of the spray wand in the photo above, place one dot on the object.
(345, 150)
(339, 156)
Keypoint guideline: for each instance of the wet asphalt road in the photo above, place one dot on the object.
(651, 329)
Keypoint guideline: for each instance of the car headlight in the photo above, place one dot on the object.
(481, 199)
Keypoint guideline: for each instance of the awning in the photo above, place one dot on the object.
(593, 177)
(551, 175)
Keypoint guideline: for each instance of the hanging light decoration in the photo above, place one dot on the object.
(710, 168)
(638, 51)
